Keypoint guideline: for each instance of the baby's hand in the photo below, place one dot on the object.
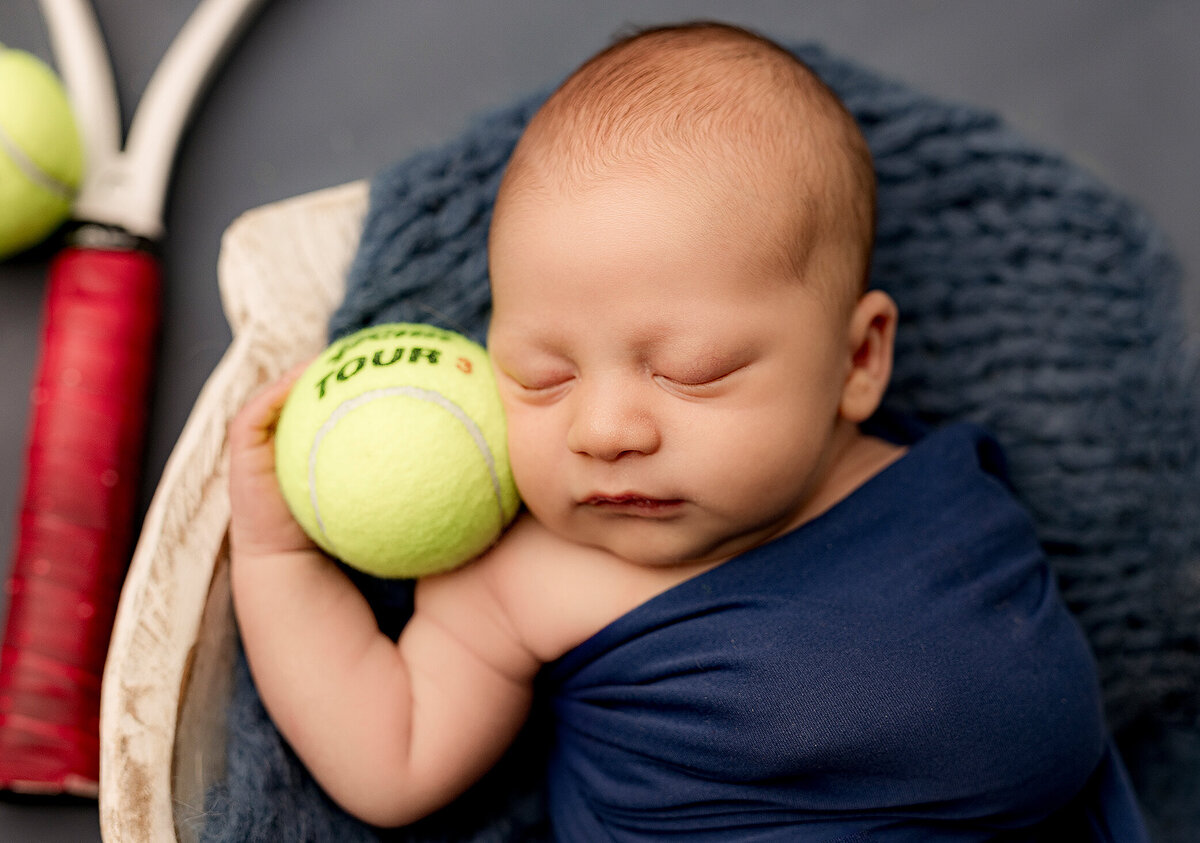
(260, 521)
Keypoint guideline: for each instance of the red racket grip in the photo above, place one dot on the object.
(76, 523)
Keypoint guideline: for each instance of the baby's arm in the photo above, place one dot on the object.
(391, 731)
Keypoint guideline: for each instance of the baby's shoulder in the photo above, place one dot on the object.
(557, 593)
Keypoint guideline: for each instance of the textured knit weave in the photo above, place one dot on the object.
(1034, 301)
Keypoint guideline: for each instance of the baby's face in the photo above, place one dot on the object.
(666, 399)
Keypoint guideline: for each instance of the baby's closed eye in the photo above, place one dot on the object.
(537, 380)
(700, 380)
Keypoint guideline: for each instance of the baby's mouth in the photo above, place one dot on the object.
(631, 503)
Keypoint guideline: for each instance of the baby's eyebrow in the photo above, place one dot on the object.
(525, 345)
(706, 366)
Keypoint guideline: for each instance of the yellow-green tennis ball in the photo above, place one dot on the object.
(391, 451)
(41, 156)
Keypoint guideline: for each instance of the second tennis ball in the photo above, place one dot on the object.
(41, 156)
(391, 451)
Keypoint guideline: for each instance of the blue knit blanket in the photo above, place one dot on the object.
(1034, 300)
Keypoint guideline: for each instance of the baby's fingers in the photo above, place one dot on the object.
(254, 425)
(261, 522)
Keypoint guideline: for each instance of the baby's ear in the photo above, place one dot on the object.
(870, 339)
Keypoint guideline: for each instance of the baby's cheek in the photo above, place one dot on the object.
(755, 467)
(531, 455)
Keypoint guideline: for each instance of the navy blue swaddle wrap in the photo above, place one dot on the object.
(1033, 300)
(900, 668)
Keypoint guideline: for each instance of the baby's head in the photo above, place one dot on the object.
(680, 330)
(730, 112)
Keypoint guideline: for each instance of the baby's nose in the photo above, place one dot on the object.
(610, 423)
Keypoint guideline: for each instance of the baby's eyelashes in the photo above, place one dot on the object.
(545, 383)
(538, 384)
(699, 383)
(543, 387)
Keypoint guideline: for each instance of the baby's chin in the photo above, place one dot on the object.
(655, 545)
(668, 536)
(679, 543)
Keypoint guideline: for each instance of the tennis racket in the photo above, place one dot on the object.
(90, 398)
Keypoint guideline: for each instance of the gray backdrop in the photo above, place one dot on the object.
(321, 92)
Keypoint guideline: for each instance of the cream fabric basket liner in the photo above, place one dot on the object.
(282, 272)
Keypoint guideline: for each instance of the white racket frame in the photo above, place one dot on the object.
(126, 186)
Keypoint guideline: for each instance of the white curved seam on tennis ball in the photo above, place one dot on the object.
(31, 170)
(420, 394)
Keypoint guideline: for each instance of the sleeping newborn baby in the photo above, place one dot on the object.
(760, 610)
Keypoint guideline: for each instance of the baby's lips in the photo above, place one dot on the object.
(633, 502)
